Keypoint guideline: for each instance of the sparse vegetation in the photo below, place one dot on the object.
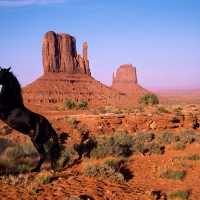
(144, 137)
(148, 99)
(182, 194)
(71, 121)
(178, 146)
(117, 145)
(24, 168)
(70, 104)
(95, 170)
(4, 130)
(83, 105)
(44, 177)
(187, 136)
(166, 138)
(175, 175)
(162, 109)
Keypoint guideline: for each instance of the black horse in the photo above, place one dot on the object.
(17, 116)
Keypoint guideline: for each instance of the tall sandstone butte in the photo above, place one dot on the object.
(60, 55)
(126, 81)
(67, 76)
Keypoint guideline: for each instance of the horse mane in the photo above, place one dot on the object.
(14, 83)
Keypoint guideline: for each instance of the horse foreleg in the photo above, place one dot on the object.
(42, 153)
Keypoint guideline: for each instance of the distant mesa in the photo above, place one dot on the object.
(60, 55)
(126, 81)
(67, 76)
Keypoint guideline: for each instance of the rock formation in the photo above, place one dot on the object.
(126, 81)
(67, 76)
(60, 55)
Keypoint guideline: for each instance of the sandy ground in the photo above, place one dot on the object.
(141, 173)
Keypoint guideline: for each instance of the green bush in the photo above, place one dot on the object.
(70, 104)
(24, 168)
(182, 194)
(148, 99)
(44, 177)
(83, 105)
(178, 146)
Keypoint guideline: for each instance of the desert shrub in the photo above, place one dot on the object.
(150, 99)
(28, 147)
(154, 148)
(138, 147)
(197, 138)
(166, 138)
(44, 177)
(102, 110)
(175, 175)
(71, 121)
(6, 163)
(187, 136)
(177, 111)
(144, 137)
(83, 105)
(113, 163)
(74, 198)
(4, 130)
(117, 145)
(182, 194)
(178, 146)
(115, 110)
(13, 152)
(185, 165)
(162, 109)
(139, 109)
(4, 143)
(192, 157)
(94, 170)
(24, 168)
(67, 155)
(69, 104)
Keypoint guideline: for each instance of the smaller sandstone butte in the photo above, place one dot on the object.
(125, 81)
(60, 55)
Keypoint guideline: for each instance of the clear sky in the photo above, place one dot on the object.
(161, 38)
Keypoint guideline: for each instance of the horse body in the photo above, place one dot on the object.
(17, 116)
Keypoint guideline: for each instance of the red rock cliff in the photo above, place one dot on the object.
(126, 81)
(60, 55)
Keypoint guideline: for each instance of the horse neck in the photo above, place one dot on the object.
(9, 93)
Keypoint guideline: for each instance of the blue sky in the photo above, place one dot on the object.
(161, 38)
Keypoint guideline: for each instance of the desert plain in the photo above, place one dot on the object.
(142, 173)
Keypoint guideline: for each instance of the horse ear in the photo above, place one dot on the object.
(9, 68)
(0, 68)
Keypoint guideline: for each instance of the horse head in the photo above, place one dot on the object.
(4, 73)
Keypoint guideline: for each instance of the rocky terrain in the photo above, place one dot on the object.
(141, 173)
